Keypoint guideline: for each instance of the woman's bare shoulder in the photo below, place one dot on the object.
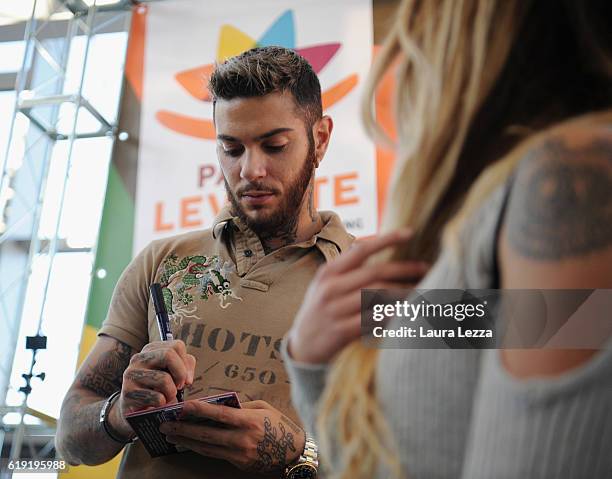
(560, 206)
(557, 230)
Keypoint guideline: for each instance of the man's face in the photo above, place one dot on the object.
(267, 156)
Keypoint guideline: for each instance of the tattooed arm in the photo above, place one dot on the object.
(149, 378)
(557, 232)
(80, 437)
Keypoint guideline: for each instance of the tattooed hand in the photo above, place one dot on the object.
(257, 438)
(152, 379)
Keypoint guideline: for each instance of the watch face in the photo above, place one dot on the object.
(302, 471)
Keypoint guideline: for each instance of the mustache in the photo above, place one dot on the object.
(256, 187)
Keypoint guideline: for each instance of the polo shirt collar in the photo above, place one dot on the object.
(333, 231)
(224, 216)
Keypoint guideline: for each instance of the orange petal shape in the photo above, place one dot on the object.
(338, 91)
(205, 129)
(134, 61)
(385, 158)
(187, 125)
(195, 81)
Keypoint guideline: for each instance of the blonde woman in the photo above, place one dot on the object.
(504, 177)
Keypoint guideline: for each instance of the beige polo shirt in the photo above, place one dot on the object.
(231, 304)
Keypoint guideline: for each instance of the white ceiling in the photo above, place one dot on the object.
(13, 11)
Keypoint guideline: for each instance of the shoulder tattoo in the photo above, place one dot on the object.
(561, 201)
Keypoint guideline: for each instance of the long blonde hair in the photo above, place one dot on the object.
(457, 74)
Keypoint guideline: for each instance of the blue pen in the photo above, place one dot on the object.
(163, 322)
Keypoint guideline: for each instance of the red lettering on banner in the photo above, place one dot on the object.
(317, 186)
(193, 212)
(188, 211)
(341, 189)
(214, 204)
(159, 222)
(206, 172)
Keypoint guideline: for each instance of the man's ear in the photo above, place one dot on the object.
(321, 131)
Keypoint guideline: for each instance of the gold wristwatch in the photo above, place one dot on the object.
(307, 465)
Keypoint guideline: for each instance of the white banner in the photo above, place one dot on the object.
(179, 186)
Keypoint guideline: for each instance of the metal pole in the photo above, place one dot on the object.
(72, 137)
(19, 433)
(34, 237)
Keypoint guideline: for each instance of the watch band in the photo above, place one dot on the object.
(309, 457)
(104, 419)
(311, 452)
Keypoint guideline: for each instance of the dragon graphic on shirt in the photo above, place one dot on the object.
(183, 280)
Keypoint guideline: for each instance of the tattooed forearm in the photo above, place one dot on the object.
(275, 446)
(105, 377)
(80, 438)
(561, 203)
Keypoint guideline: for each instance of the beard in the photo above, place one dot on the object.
(283, 220)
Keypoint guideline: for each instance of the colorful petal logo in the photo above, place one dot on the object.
(233, 42)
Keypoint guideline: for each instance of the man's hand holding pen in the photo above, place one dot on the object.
(152, 379)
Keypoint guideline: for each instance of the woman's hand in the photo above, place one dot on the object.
(330, 316)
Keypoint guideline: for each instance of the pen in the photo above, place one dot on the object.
(163, 323)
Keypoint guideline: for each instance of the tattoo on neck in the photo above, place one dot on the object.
(311, 208)
(560, 207)
(274, 447)
(283, 236)
(287, 234)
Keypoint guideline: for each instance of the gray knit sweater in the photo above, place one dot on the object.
(459, 414)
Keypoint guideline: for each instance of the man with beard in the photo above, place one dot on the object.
(231, 292)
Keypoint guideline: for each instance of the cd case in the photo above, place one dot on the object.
(146, 423)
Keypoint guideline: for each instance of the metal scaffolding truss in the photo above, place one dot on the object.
(49, 108)
(36, 440)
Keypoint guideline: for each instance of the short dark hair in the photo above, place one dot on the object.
(263, 70)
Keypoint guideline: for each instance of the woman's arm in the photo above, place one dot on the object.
(307, 385)
(547, 413)
(557, 233)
